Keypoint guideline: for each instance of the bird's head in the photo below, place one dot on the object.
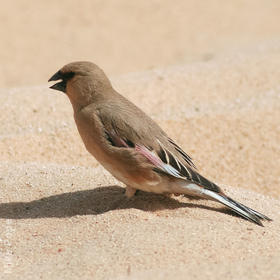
(82, 81)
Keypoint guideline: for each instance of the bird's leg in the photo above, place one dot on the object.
(129, 191)
(169, 195)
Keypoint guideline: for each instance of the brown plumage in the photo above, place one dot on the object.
(129, 144)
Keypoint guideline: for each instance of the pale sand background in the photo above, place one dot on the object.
(214, 87)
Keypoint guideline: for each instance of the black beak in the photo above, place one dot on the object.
(61, 86)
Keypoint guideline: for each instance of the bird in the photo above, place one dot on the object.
(130, 144)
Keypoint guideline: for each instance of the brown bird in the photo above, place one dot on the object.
(129, 144)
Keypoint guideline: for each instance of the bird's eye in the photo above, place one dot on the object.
(69, 75)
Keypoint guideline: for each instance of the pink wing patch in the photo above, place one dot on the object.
(157, 162)
(153, 157)
(149, 155)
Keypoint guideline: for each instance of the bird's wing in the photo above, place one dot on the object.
(185, 156)
(173, 165)
(147, 138)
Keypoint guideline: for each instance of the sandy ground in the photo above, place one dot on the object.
(207, 73)
(123, 35)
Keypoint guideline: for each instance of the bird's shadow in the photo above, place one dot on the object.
(92, 202)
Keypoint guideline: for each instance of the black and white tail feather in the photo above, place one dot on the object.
(205, 188)
(238, 208)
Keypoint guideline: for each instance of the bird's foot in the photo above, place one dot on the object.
(169, 195)
(129, 192)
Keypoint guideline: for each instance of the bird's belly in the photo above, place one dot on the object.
(141, 181)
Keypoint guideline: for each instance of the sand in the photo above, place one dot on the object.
(216, 92)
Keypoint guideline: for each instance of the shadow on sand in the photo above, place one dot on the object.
(93, 202)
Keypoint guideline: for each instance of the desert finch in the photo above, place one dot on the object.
(129, 144)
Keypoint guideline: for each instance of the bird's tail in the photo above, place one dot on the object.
(237, 207)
